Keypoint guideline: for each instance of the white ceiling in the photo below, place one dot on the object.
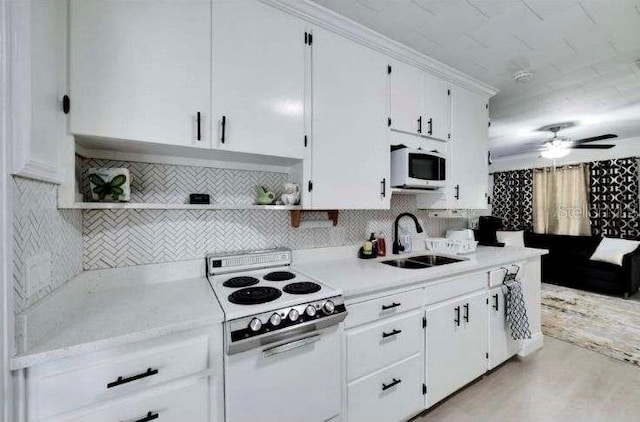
(581, 54)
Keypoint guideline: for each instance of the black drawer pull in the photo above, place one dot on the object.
(495, 298)
(420, 124)
(457, 318)
(384, 187)
(430, 123)
(391, 384)
(393, 305)
(224, 128)
(150, 416)
(392, 333)
(466, 312)
(199, 132)
(121, 380)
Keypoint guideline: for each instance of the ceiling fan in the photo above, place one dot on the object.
(561, 146)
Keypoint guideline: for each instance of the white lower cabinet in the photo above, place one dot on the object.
(392, 394)
(177, 378)
(456, 344)
(501, 345)
(184, 403)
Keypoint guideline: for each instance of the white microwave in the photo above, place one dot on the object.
(418, 169)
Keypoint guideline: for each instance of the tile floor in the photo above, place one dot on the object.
(560, 383)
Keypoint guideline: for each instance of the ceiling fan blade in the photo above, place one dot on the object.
(595, 138)
(596, 146)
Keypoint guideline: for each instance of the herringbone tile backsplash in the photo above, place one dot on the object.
(117, 238)
(41, 230)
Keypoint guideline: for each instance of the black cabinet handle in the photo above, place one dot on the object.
(457, 318)
(466, 312)
(66, 104)
(495, 301)
(430, 123)
(199, 137)
(394, 332)
(420, 124)
(457, 195)
(122, 380)
(393, 305)
(150, 416)
(384, 187)
(224, 126)
(391, 384)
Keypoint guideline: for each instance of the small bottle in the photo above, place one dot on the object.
(367, 249)
(382, 245)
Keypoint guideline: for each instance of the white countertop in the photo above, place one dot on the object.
(107, 308)
(361, 277)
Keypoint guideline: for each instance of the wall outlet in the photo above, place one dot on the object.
(38, 272)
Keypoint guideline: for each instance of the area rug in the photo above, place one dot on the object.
(604, 324)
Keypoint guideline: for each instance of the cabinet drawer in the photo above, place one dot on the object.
(73, 386)
(186, 403)
(371, 310)
(375, 398)
(380, 344)
(456, 287)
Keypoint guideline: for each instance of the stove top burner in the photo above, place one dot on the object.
(241, 282)
(301, 288)
(279, 276)
(254, 295)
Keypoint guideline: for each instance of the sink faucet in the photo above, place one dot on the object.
(397, 247)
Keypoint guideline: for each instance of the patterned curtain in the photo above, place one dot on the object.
(615, 199)
(513, 199)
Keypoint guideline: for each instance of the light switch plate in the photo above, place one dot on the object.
(38, 272)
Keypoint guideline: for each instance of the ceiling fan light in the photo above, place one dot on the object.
(553, 153)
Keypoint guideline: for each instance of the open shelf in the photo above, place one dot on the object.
(151, 206)
(400, 191)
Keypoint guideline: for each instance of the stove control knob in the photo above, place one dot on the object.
(310, 311)
(255, 325)
(328, 307)
(275, 320)
(293, 315)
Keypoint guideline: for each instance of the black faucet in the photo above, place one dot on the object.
(397, 247)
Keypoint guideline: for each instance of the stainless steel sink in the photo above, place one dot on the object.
(422, 261)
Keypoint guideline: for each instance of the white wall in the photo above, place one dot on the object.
(6, 313)
(624, 148)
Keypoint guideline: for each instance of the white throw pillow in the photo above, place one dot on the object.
(511, 238)
(613, 250)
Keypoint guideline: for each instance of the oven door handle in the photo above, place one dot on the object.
(272, 351)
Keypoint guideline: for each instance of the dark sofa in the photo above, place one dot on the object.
(568, 264)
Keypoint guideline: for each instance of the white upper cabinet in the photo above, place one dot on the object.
(468, 150)
(350, 149)
(436, 107)
(141, 70)
(419, 102)
(405, 92)
(258, 79)
(38, 82)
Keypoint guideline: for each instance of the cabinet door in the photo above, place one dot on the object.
(436, 107)
(140, 70)
(350, 150)
(258, 79)
(501, 345)
(469, 145)
(444, 351)
(405, 90)
(456, 348)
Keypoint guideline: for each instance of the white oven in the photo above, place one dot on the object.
(295, 379)
(418, 169)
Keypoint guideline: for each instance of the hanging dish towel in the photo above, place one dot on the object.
(516, 310)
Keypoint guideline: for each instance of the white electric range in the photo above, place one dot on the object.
(282, 338)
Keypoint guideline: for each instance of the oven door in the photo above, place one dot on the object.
(294, 380)
(427, 170)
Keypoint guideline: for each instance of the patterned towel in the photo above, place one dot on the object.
(516, 311)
